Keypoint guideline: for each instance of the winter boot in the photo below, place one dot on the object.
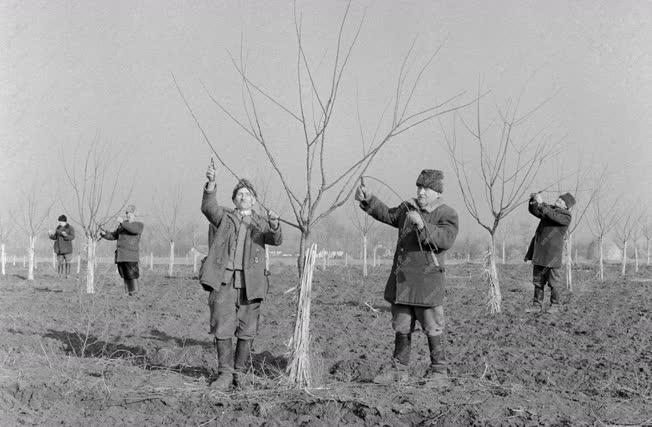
(242, 359)
(437, 359)
(224, 380)
(554, 300)
(537, 303)
(397, 372)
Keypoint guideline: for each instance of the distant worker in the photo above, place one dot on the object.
(127, 251)
(427, 228)
(63, 236)
(234, 273)
(546, 248)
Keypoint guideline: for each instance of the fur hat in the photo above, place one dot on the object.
(243, 183)
(431, 178)
(568, 199)
(131, 209)
(62, 218)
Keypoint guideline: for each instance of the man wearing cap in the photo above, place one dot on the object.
(63, 236)
(234, 273)
(427, 228)
(546, 247)
(127, 251)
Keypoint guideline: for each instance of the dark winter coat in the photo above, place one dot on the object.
(63, 244)
(546, 247)
(418, 272)
(259, 234)
(128, 236)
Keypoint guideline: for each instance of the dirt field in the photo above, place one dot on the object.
(73, 359)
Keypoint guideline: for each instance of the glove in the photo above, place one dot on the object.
(413, 218)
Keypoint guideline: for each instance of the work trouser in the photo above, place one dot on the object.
(231, 313)
(542, 276)
(431, 319)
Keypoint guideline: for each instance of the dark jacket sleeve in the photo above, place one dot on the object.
(273, 237)
(53, 236)
(379, 210)
(71, 234)
(133, 228)
(441, 235)
(558, 216)
(111, 235)
(209, 207)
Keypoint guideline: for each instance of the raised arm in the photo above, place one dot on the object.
(441, 236)
(133, 228)
(379, 211)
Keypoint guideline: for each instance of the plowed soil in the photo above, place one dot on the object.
(67, 357)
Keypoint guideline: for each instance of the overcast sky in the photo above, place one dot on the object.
(71, 72)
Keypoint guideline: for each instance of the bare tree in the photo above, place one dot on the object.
(363, 223)
(646, 231)
(5, 231)
(96, 197)
(323, 190)
(505, 170)
(603, 221)
(625, 231)
(585, 188)
(169, 220)
(31, 219)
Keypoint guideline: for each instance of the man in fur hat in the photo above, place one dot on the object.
(427, 228)
(546, 247)
(63, 236)
(234, 273)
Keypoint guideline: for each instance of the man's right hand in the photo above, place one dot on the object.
(210, 172)
(361, 193)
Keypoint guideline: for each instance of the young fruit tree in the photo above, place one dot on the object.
(319, 112)
(625, 232)
(585, 188)
(169, 221)
(31, 219)
(603, 221)
(646, 231)
(96, 199)
(496, 179)
(5, 231)
(363, 223)
(324, 187)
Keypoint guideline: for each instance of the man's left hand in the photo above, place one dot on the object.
(414, 218)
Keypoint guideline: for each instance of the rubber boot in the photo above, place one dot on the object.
(131, 286)
(242, 355)
(437, 357)
(398, 371)
(554, 300)
(224, 380)
(537, 303)
(67, 269)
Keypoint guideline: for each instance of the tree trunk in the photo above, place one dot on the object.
(151, 260)
(171, 263)
(195, 255)
(30, 256)
(468, 257)
(14, 263)
(375, 251)
(504, 259)
(346, 259)
(601, 258)
(323, 261)
(54, 260)
(23, 261)
(78, 263)
(3, 258)
(365, 272)
(648, 253)
(90, 264)
(266, 257)
(303, 241)
(624, 266)
(635, 258)
(495, 298)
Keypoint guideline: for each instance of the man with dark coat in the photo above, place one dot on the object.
(127, 251)
(546, 247)
(234, 273)
(427, 228)
(63, 236)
